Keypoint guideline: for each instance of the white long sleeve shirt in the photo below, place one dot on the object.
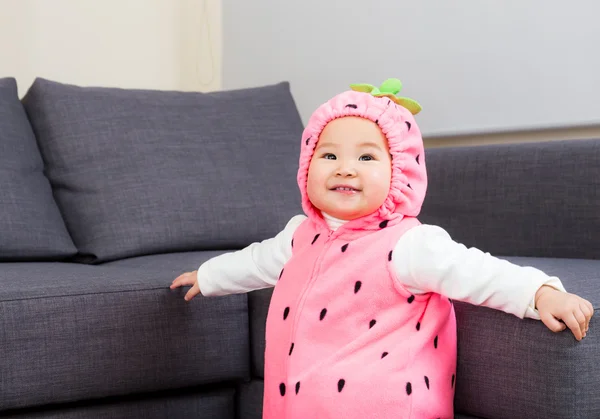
(426, 259)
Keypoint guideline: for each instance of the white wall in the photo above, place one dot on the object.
(157, 44)
(476, 66)
(178, 44)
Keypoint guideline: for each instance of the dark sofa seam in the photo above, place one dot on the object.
(82, 294)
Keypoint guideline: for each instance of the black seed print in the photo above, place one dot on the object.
(297, 387)
(341, 384)
(453, 380)
(408, 125)
(377, 121)
(418, 158)
(427, 382)
(372, 323)
(315, 239)
(307, 140)
(408, 184)
(435, 342)
(383, 355)
(281, 274)
(323, 313)
(357, 286)
(418, 326)
(351, 105)
(384, 224)
(292, 242)
(291, 348)
(408, 388)
(411, 299)
(282, 389)
(390, 256)
(344, 247)
(286, 312)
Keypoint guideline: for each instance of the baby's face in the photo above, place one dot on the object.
(350, 172)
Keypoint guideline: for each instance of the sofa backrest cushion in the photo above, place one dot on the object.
(528, 199)
(141, 172)
(31, 227)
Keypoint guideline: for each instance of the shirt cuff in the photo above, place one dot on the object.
(553, 282)
(202, 277)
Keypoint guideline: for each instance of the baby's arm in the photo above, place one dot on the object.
(254, 267)
(426, 259)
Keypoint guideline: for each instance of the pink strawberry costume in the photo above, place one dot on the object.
(360, 324)
(344, 337)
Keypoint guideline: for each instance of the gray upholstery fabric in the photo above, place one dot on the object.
(250, 400)
(169, 263)
(258, 307)
(207, 405)
(140, 172)
(507, 367)
(30, 224)
(530, 199)
(72, 332)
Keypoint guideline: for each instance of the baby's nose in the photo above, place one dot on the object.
(346, 171)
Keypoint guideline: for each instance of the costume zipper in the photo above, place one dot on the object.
(312, 280)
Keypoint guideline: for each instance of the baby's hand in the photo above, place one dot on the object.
(554, 305)
(186, 279)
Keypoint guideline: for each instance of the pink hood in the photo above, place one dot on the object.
(409, 177)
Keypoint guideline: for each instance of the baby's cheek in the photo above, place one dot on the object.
(314, 192)
(311, 193)
(381, 182)
(310, 183)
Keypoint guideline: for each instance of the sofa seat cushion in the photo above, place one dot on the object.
(138, 172)
(30, 222)
(508, 367)
(73, 332)
(180, 404)
(169, 264)
(250, 399)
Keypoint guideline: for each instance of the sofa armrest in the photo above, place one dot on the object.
(508, 367)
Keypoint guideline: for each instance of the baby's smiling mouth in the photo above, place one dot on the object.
(344, 188)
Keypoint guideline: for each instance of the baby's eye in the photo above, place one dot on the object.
(329, 156)
(366, 157)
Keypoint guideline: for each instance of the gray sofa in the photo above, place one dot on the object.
(108, 194)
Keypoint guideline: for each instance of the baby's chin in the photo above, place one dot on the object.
(346, 215)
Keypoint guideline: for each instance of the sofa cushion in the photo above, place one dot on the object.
(250, 400)
(142, 172)
(529, 199)
(169, 264)
(258, 308)
(508, 367)
(182, 404)
(73, 332)
(30, 224)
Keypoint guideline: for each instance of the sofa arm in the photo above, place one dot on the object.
(509, 368)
